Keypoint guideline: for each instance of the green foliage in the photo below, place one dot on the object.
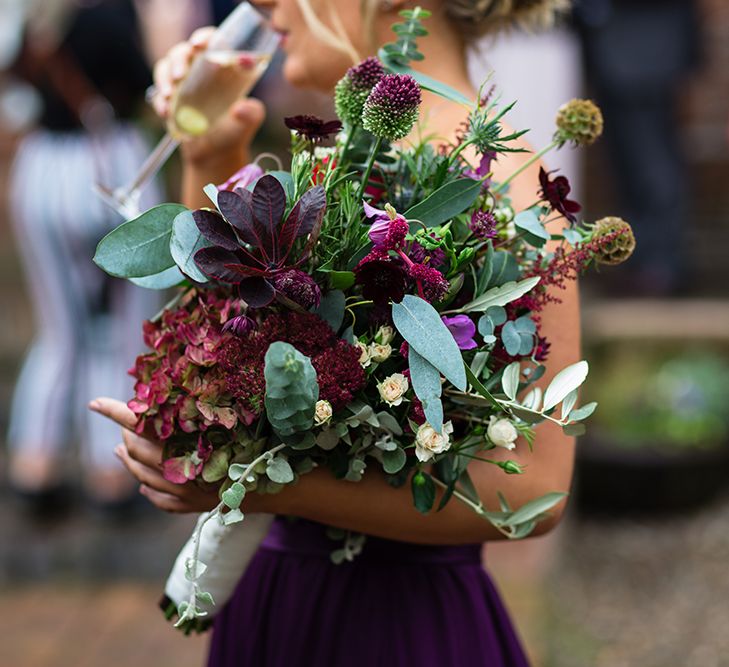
(500, 296)
(291, 389)
(185, 241)
(445, 203)
(139, 247)
(405, 49)
(427, 386)
(532, 227)
(423, 489)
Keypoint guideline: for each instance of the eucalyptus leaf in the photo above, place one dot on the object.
(421, 326)
(139, 247)
(568, 403)
(331, 309)
(567, 380)
(500, 296)
(528, 221)
(504, 269)
(164, 280)
(185, 241)
(278, 470)
(427, 386)
(511, 339)
(394, 460)
(445, 203)
(534, 508)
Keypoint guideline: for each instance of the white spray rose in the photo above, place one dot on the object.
(385, 334)
(364, 354)
(379, 353)
(322, 412)
(392, 389)
(428, 442)
(502, 432)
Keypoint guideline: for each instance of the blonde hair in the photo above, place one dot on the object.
(474, 18)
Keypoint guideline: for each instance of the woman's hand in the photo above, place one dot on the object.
(143, 458)
(225, 148)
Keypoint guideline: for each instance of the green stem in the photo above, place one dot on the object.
(368, 170)
(534, 158)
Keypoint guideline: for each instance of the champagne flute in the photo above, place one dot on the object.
(237, 55)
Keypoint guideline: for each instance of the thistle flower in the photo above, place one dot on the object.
(391, 109)
(579, 121)
(614, 240)
(352, 90)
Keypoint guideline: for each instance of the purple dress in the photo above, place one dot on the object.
(396, 604)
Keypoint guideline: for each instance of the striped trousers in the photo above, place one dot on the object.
(88, 325)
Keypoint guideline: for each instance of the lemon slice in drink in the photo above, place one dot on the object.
(191, 121)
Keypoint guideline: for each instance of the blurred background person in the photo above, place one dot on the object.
(637, 56)
(86, 65)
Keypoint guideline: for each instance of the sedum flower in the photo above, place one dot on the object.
(322, 413)
(393, 389)
(502, 432)
(579, 121)
(428, 442)
(391, 109)
(353, 89)
(379, 352)
(614, 240)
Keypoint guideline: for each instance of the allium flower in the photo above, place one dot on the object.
(502, 433)
(382, 278)
(312, 128)
(388, 229)
(483, 224)
(391, 110)
(393, 389)
(428, 442)
(579, 121)
(434, 286)
(352, 90)
(614, 240)
(242, 178)
(298, 286)
(555, 192)
(463, 330)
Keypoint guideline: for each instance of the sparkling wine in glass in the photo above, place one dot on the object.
(236, 57)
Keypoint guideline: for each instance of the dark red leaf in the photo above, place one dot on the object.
(256, 292)
(269, 202)
(238, 211)
(306, 215)
(212, 262)
(245, 270)
(215, 229)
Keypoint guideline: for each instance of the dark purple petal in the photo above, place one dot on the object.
(269, 202)
(215, 262)
(372, 212)
(256, 292)
(298, 286)
(463, 330)
(237, 209)
(240, 325)
(215, 229)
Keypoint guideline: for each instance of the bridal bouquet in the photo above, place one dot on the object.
(376, 306)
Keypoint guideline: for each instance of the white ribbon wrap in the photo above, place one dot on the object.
(226, 551)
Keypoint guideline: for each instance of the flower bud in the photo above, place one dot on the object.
(502, 432)
(353, 89)
(579, 121)
(510, 467)
(385, 334)
(391, 109)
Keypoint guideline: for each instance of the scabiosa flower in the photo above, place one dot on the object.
(382, 278)
(614, 240)
(312, 128)
(352, 90)
(483, 224)
(463, 330)
(391, 109)
(298, 286)
(555, 192)
(579, 121)
(431, 281)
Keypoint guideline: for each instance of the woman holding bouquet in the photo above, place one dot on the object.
(417, 594)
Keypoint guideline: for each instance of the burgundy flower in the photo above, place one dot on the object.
(313, 128)
(434, 257)
(240, 325)
(555, 192)
(483, 225)
(382, 278)
(541, 350)
(339, 374)
(463, 330)
(298, 286)
(484, 168)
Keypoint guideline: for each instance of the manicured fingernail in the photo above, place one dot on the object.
(94, 405)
